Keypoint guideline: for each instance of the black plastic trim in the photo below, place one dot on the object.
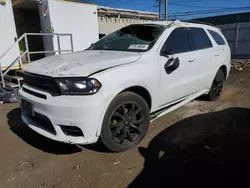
(34, 93)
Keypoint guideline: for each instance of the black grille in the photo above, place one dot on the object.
(43, 122)
(71, 130)
(43, 83)
(35, 93)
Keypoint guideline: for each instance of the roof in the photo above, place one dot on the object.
(183, 23)
(160, 22)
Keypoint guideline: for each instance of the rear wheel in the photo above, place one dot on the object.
(217, 86)
(126, 122)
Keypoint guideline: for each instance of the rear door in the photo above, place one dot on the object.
(204, 57)
(222, 54)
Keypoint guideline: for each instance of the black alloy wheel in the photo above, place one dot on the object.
(126, 122)
(217, 86)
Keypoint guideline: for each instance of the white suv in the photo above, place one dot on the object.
(111, 91)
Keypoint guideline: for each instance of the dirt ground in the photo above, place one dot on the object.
(202, 144)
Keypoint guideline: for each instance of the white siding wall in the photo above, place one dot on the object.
(77, 18)
(7, 34)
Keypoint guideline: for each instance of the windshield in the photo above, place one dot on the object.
(135, 38)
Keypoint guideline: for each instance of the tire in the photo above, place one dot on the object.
(125, 123)
(217, 86)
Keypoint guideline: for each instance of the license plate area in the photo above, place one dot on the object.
(27, 107)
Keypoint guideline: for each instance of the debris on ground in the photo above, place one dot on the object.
(9, 95)
(115, 163)
(240, 64)
(207, 147)
(77, 167)
(105, 174)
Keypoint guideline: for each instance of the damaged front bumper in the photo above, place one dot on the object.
(69, 119)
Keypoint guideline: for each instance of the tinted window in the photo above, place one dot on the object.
(199, 39)
(177, 42)
(217, 37)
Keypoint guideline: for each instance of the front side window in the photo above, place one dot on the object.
(135, 38)
(177, 42)
(199, 39)
(217, 37)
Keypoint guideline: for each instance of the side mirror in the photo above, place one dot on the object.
(166, 53)
(171, 65)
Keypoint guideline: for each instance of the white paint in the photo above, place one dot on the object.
(122, 70)
(80, 19)
(80, 63)
(7, 34)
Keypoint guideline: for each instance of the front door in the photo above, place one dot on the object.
(178, 67)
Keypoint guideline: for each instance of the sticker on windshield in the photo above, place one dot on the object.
(138, 47)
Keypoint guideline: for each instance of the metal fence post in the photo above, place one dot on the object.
(236, 39)
(27, 47)
(58, 43)
(20, 59)
(71, 40)
(2, 77)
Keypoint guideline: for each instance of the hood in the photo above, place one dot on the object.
(82, 63)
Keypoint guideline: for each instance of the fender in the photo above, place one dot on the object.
(98, 132)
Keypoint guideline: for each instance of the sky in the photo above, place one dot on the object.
(176, 6)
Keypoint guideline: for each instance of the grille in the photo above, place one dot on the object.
(43, 122)
(43, 83)
(35, 93)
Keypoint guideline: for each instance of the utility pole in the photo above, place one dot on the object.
(166, 9)
(159, 4)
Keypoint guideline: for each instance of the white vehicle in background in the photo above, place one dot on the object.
(113, 90)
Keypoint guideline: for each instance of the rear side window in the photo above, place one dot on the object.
(199, 39)
(217, 37)
(177, 41)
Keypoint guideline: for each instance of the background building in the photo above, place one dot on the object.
(111, 19)
(86, 22)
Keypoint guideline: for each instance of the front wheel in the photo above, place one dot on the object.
(217, 86)
(125, 123)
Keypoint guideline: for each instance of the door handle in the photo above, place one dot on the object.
(191, 60)
(216, 54)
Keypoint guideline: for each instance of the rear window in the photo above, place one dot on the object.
(217, 37)
(199, 39)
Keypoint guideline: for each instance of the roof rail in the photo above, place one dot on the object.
(189, 21)
(198, 22)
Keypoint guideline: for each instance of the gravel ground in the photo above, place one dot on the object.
(202, 144)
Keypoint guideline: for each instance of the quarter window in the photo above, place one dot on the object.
(199, 39)
(177, 42)
(217, 37)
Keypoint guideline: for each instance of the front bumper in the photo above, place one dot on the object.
(83, 112)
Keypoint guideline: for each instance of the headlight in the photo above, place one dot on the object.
(78, 86)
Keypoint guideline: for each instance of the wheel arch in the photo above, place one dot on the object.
(135, 88)
(224, 70)
(141, 91)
